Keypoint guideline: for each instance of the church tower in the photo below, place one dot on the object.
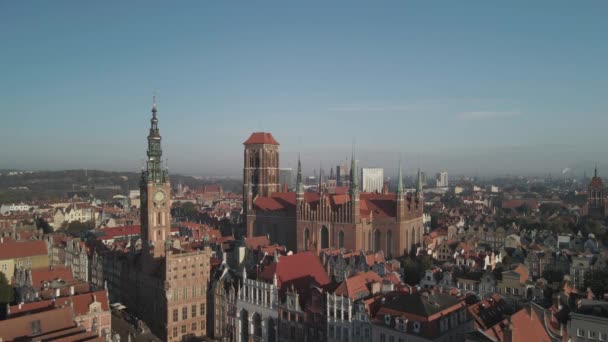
(155, 194)
(261, 165)
(596, 204)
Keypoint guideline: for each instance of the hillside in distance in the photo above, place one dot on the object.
(54, 185)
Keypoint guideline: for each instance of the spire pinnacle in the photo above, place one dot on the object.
(299, 185)
(400, 180)
(595, 171)
(419, 183)
(154, 105)
(354, 179)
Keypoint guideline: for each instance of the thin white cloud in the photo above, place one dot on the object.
(487, 115)
(381, 108)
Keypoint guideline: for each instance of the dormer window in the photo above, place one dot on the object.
(416, 326)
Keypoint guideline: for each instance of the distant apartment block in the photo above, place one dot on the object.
(372, 179)
(441, 179)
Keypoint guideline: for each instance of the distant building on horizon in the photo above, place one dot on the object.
(286, 177)
(372, 179)
(441, 179)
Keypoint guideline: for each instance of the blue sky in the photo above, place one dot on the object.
(475, 86)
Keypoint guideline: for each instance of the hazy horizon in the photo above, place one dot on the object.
(471, 88)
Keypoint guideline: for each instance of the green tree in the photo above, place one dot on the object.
(598, 282)
(6, 291)
(42, 224)
(77, 228)
(553, 276)
(189, 211)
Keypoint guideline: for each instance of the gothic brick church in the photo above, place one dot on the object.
(313, 221)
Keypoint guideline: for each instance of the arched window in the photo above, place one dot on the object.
(324, 237)
(306, 238)
(389, 242)
(257, 325)
(341, 239)
(244, 325)
(377, 245)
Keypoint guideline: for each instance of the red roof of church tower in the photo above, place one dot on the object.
(261, 138)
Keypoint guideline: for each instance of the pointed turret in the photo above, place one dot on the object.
(354, 178)
(400, 196)
(299, 189)
(299, 184)
(154, 172)
(419, 183)
(400, 182)
(354, 190)
(595, 171)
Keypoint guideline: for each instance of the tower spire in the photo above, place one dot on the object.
(418, 182)
(595, 171)
(400, 181)
(299, 185)
(154, 170)
(354, 179)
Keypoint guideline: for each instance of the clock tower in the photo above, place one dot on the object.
(155, 194)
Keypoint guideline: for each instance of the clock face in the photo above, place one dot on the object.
(159, 196)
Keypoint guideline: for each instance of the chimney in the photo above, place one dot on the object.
(72, 290)
(57, 293)
(20, 304)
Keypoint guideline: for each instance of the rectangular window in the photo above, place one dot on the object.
(580, 332)
(193, 326)
(193, 311)
(382, 337)
(183, 329)
(202, 309)
(175, 315)
(185, 312)
(592, 335)
(174, 331)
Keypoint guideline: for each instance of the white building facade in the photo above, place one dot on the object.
(372, 179)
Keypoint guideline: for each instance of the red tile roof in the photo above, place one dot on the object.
(22, 249)
(522, 270)
(256, 242)
(516, 203)
(358, 286)
(376, 204)
(212, 188)
(40, 275)
(21, 327)
(525, 327)
(261, 138)
(119, 232)
(82, 301)
(297, 269)
(17, 310)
